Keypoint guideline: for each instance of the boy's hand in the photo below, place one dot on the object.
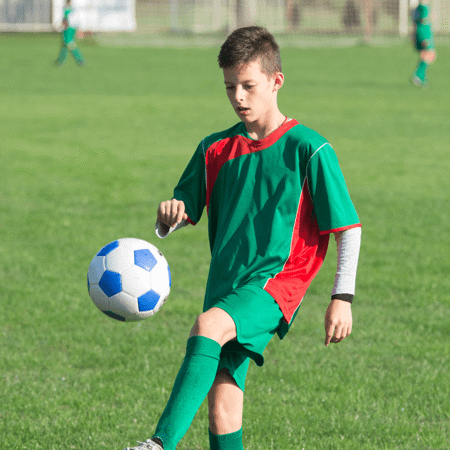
(171, 212)
(338, 321)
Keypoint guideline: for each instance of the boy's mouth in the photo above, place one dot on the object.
(242, 109)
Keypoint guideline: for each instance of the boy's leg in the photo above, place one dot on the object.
(196, 376)
(257, 317)
(427, 56)
(62, 56)
(76, 53)
(421, 71)
(219, 324)
(226, 404)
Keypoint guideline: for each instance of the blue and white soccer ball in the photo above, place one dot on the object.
(129, 279)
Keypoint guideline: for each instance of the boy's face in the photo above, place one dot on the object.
(252, 94)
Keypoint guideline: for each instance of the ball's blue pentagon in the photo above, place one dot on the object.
(170, 276)
(88, 284)
(148, 301)
(110, 283)
(108, 248)
(145, 259)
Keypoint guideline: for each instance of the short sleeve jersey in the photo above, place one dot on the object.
(69, 32)
(422, 20)
(271, 205)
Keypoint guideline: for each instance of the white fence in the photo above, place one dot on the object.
(202, 16)
(46, 15)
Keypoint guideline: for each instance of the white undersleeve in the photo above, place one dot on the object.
(162, 230)
(348, 245)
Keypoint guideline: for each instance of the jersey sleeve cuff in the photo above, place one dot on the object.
(335, 230)
(162, 230)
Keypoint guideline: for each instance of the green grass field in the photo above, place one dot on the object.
(87, 154)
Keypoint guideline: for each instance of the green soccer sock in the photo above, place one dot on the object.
(192, 384)
(78, 56)
(421, 71)
(231, 441)
(62, 55)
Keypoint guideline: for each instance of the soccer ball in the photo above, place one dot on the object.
(129, 279)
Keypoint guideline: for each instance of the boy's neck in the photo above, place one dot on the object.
(260, 130)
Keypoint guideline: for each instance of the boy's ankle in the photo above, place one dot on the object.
(158, 441)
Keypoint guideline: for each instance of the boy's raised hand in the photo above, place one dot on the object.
(172, 212)
(338, 321)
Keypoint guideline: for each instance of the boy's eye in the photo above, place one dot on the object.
(228, 88)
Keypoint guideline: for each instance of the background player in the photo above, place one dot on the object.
(69, 38)
(423, 40)
(274, 193)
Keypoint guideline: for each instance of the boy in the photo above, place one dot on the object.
(68, 39)
(424, 42)
(273, 192)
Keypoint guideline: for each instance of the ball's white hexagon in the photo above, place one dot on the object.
(96, 269)
(124, 305)
(100, 299)
(160, 278)
(136, 281)
(136, 244)
(120, 259)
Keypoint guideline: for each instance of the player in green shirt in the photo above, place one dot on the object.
(69, 39)
(274, 192)
(423, 40)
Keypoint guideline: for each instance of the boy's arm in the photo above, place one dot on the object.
(61, 26)
(171, 217)
(338, 318)
(425, 43)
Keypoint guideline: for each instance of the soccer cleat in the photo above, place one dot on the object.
(416, 81)
(147, 445)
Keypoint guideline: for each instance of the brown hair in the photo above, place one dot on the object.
(246, 45)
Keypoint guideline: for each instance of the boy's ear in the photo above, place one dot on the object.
(278, 81)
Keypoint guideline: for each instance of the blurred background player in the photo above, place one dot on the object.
(423, 41)
(68, 38)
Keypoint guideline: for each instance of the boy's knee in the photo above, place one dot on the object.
(215, 324)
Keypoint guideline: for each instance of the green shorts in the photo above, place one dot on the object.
(68, 35)
(424, 34)
(257, 317)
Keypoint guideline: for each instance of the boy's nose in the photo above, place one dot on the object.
(239, 94)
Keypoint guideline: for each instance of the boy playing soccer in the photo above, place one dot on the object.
(423, 40)
(273, 192)
(68, 39)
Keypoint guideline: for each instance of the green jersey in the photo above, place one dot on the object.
(271, 206)
(70, 31)
(424, 32)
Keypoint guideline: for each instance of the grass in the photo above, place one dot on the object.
(86, 156)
